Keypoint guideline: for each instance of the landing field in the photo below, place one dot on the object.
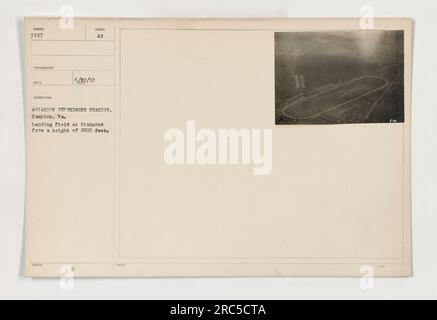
(339, 77)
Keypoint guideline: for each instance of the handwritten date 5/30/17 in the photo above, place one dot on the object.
(84, 80)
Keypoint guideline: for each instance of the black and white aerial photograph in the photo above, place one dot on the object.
(339, 77)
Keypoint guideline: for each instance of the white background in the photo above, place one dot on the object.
(422, 285)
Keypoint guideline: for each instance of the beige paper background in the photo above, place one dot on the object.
(338, 196)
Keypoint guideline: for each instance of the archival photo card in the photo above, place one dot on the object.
(339, 77)
(151, 149)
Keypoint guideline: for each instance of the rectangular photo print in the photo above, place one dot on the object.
(339, 77)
